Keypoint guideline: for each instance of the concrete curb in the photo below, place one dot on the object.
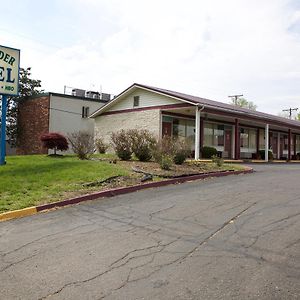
(28, 211)
(114, 192)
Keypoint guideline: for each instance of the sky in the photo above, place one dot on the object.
(207, 48)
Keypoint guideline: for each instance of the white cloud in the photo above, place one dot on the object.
(208, 48)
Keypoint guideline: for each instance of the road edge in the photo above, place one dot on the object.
(113, 192)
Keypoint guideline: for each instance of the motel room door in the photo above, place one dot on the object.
(166, 128)
(227, 143)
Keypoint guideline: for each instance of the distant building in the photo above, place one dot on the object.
(54, 112)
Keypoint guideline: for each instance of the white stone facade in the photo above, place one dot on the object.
(146, 119)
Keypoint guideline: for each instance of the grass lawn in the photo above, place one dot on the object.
(34, 179)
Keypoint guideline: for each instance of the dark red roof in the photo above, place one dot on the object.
(222, 106)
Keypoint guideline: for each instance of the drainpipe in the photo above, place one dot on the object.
(199, 108)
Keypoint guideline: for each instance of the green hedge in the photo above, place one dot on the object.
(262, 154)
(208, 152)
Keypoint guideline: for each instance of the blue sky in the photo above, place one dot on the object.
(209, 48)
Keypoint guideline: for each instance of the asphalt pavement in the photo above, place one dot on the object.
(235, 237)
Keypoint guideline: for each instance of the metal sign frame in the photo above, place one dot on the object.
(18, 77)
(4, 96)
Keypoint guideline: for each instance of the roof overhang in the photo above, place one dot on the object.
(127, 92)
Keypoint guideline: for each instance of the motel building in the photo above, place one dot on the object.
(236, 133)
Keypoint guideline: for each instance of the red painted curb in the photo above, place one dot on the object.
(130, 189)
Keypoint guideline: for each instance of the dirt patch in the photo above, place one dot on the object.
(138, 173)
(188, 168)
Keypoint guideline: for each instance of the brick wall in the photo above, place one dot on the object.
(33, 121)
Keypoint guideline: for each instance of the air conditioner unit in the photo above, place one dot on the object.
(78, 92)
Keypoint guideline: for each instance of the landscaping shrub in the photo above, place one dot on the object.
(166, 162)
(262, 154)
(55, 141)
(174, 149)
(142, 141)
(182, 150)
(162, 148)
(122, 144)
(100, 145)
(82, 143)
(208, 152)
(217, 160)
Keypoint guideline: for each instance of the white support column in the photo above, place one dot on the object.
(267, 143)
(278, 146)
(197, 134)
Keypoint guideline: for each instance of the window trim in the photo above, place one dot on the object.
(136, 101)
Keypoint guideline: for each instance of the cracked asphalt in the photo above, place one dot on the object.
(235, 237)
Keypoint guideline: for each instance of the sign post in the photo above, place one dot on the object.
(9, 86)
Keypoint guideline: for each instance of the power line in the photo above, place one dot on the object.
(235, 97)
(290, 111)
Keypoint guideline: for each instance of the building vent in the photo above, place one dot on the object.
(78, 92)
(93, 95)
(105, 97)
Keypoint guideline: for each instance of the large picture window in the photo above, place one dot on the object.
(213, 135)
(248, 138)
(184, 128)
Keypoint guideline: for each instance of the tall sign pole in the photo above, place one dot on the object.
(9, 86)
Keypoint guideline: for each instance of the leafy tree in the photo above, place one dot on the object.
(242, 102)
(55, 141)
(27, 88)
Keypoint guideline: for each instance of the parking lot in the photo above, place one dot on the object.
(235, 237)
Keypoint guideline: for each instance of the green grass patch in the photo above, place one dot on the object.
(34, 179)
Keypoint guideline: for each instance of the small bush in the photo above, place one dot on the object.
(175, 149)
(55, 141)
(82, 143)
(163, 147)
(122, 144)
(142, 141)
(218, 160)
(100, 145)
(208, 152)
(166, 162)
(182, 151)
(262, 154)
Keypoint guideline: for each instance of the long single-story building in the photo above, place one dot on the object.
(237, 133)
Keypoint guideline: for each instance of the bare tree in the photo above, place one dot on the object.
(82, 143)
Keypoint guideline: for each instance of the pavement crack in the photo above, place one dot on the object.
(43, 237)
(190, 253)
(161, 210)
(17, 262)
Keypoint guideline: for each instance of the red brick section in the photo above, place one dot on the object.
(33, 121)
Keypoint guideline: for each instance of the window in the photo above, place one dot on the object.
(136, 101)
(179, 126)
(213, 135)
(248, 138)
(208, 134)
(183, 128)
(219, 135)
(85, 111)
(244, 138)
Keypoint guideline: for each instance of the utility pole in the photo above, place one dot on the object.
(235, 97)
(290, 111)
